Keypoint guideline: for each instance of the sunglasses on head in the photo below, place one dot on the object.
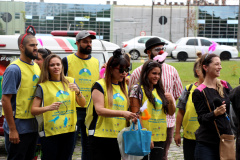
(158, 49)
(121, 70)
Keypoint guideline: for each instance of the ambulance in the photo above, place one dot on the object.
(60, 43)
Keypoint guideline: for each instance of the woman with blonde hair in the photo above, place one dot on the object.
(109, 113)
(187, 116)
(55, 99)
(207, 135)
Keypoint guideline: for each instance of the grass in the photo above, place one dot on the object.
(230, 72)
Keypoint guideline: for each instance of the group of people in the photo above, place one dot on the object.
(55, 100)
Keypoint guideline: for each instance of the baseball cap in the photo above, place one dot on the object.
(83, 34)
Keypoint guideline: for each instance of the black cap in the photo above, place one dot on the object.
(153, 42)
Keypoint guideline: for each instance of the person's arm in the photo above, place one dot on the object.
(134, 78)
(37, 109)
(8, 114)
(98, 102)
(177, 88)
(81, 101)
(179, 120)
(171, 105)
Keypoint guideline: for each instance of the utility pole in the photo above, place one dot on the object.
(170, 34)
(152, 17)
(188, 17)
(238, 33)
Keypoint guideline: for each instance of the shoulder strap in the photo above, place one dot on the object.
(188, 91)
(211, 111)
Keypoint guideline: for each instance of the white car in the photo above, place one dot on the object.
(187, 47)
(135, 47)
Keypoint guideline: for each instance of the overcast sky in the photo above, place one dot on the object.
(123, 2)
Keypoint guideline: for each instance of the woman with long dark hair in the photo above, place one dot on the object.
(159, 104)
(109, 113)
(207, 136)
(55, 99)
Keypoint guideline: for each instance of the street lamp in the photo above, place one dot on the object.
(152, 17)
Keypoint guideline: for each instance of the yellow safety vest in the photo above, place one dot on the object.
(109, 127)
(157, 123)
(85, 72)
(190, 119)
(64, 119)
(29, 77)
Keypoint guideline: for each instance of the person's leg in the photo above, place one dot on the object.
(49, 147)
(206, 152)
(65, 141)
(169, 139)
(188, 149)
(22, 151)
(158, 151)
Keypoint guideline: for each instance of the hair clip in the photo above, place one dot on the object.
(30, 30)
(118, 53)
(212, 47)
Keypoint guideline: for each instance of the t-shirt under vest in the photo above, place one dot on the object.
(25, 95)
(85, 72)
(157, 123)
(190, 119)
(64, 119)
(109, 127)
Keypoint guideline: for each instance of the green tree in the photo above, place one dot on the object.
(2, 32)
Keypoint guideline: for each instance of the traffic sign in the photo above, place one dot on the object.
(163, 20)
(142, 33)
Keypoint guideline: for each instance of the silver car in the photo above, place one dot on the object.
(135, 47)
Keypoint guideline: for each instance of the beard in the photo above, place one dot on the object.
(86, 50)
(30, 54)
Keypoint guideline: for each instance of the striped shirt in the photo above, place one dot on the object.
(171, 83)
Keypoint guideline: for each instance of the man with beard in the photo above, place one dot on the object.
(170, 78)
(18, 87)
(85, 69)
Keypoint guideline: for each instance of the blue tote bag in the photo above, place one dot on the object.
(137, 142)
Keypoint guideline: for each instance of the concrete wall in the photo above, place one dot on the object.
(15, 25)
(129, 21)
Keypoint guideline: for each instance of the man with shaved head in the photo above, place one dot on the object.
(18, 87)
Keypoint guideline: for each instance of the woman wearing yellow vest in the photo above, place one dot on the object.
(159, 104)
(187, 116)
(55, 99)
(110, 109)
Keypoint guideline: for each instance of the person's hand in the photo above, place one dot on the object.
(54, 106)
(169, 98)
(104, 66)
(177, 139)
(73, 87)
(220, 110)
(152, 145)
(14, 136)
(129, 115)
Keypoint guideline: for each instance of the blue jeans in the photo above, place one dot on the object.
(81, 114)
(24, 150)
(206, 152)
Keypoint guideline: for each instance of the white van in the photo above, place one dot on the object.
(63, 46)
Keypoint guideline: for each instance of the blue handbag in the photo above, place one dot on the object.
(137, 142)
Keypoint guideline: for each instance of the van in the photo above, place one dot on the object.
(62, 46)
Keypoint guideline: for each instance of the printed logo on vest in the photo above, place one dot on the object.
(118, 97)
(85, 72)
(62, 94)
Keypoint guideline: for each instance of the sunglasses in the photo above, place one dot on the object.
(121, 70)
(158, 49)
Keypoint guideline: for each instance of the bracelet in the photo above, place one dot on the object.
(78, 93)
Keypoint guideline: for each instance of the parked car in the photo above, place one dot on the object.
(187, 47)
(135, 47)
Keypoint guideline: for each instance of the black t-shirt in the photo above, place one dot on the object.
(207, 132)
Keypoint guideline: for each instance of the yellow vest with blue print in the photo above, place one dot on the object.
(190, 119)
(64, 119)
(25, 95)
(157, 123)
(85, 72)
(109, 127)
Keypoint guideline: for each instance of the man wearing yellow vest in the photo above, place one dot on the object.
(85, 69)
(19, 84)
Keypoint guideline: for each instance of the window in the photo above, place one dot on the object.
(17, 15)
(17, 32)
(143, 40)
(205, 42)
(192, 42)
